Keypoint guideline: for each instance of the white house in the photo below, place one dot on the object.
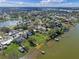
(6, 41)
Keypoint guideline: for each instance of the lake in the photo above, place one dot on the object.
(66, 48)
(8, 23)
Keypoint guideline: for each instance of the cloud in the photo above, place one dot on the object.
(69, 5)
(42, 3)
(48, 2)
(53, 1)
(64, 5)
(2, 1)
(19, 3)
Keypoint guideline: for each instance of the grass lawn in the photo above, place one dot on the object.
(26, 44)
(13, 48)
(40, 38)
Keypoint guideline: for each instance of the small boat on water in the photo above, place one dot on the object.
(43, 52)
(56, 39)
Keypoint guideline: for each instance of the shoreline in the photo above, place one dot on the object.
(35, 52)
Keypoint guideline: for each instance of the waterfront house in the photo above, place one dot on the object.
(25, 36)
(6, 40)
(3, 47)
(13, 32)
(19, 40)
(39, 28)
(0, 37)
(29, 33)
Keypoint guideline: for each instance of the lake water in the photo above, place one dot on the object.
(8, 23)
(66, 48)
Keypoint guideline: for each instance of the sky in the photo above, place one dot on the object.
(39, 3)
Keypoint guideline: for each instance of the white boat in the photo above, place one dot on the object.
(56, 39)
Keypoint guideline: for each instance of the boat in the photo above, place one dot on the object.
(56, 39)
